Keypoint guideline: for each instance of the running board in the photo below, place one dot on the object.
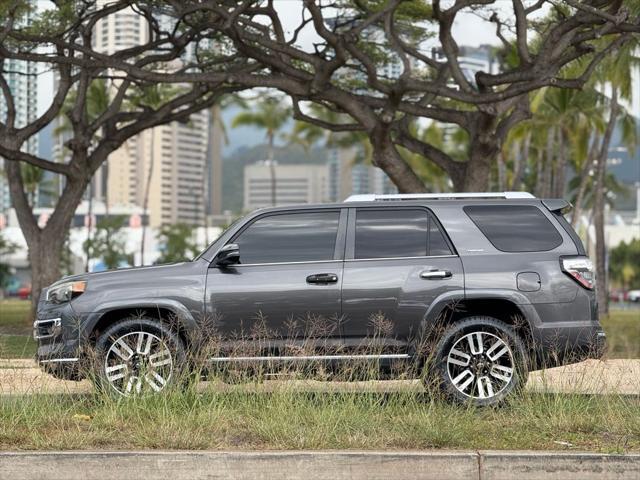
(310, 358)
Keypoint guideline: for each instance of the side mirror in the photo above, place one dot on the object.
(228, 255)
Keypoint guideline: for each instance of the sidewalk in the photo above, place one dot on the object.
(330, 465)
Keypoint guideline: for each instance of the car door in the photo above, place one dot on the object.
(398, 261)
(289, 276)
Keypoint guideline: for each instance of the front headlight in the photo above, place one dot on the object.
(65, 291)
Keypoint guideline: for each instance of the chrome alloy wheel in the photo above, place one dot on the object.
(480, 365)
(138, 362)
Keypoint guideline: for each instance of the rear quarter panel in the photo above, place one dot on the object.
(486, 268)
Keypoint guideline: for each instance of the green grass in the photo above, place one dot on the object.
(15, 330)
(287, 418)
(298, 420)
(623, 333)
(14, 317)
(17, 346)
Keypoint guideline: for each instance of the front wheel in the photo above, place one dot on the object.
(137, 356)
(480, 360)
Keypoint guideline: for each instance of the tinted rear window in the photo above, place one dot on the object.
(515, 228)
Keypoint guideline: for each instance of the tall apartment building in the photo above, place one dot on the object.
(294, 184)
(173, 162)
(22, 79)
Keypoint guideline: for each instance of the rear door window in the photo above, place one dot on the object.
(515, 228)
(397, 233)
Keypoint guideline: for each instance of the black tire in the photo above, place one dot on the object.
(156, 370)
(486, 372)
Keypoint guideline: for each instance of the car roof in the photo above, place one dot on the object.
(399, 203)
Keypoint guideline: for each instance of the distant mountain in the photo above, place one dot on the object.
(233, 168)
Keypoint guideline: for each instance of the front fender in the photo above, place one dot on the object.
(183, 316)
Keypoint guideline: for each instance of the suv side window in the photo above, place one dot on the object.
(515, 228)
(396, 233)
(290, 237)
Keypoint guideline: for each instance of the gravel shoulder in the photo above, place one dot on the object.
(618, 376)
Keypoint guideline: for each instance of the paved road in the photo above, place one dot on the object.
(592, 377)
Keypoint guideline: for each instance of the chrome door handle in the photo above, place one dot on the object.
(435, 274)
(322, 278)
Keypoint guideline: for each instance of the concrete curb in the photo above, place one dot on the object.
(334, 465)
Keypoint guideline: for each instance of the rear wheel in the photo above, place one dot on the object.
(137, 356)
(480, 360)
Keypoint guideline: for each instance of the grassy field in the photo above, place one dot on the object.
(289, 418)
(303, 420)
(623, 333)
(14, 317)
(15, 330)
(17, 346)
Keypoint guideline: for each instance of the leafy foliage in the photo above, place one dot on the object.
(178, 243)
(624, 264)
(109, 242)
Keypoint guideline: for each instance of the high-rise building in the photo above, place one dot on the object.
(22, 79)
(294, 184)
(168, 168)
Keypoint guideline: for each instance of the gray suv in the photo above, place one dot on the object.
(478, 287)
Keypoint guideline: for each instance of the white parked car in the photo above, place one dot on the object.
(633, 295)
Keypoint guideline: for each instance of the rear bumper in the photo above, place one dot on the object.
(571, 342)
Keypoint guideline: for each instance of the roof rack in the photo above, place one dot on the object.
(437, 196)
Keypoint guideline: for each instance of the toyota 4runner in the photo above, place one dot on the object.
(503, 276)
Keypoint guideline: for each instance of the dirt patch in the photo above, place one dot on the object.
(19, 377)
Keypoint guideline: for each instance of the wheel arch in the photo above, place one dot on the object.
(171, 313)
(507, 306)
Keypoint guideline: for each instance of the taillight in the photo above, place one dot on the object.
(580, 269)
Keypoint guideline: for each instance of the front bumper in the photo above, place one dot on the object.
(57, 331)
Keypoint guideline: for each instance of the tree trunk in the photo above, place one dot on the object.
(584, 181)
(45, 255)
(544, 183)
(484, 148)
(478, 167)
(599, 206)
(45, 244)
(145, 200)
(523, 158)
(386, 157)
(502, 172)
(272, 169)
(89, 226)
(559, 178)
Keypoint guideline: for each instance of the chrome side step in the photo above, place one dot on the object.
(58, 360)
(310, 358)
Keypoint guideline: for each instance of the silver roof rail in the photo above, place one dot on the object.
(437, 196)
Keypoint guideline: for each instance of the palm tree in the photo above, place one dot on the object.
(270, 115)
(562, 118)
(309, 134)
(614, 72)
